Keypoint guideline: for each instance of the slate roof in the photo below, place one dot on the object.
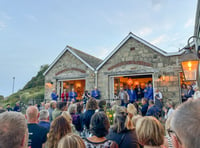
(91, 60)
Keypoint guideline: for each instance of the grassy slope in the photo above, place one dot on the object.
(34, 89)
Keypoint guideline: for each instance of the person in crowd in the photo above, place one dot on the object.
(132, 111)
(91, 106)
(64, 96)
(135, 119)
(71, 141)
(42, 106)
(72, 95)
(144, 106)
(150, 92)
(95, 93)
(102, 105)
(184, 126)
(123, 96)
(13, 130)
(183, 92)
(51, 109)
(171, 108)
(119, 133)
(75, 117)
(139, 92)
(80, 114)
(46, 106)
(99, 127)
(190, 92)
(85, 97)
(153, 110)
(150, 132)
(196, 93)
(44, 119)
(60, 107)
(68, 117)
(145, 90)
(59, 128)
(132, 95)
(17, 107)
(37, 134)
(158, 98)
(168, 139)
(54, 95)
(8, 107)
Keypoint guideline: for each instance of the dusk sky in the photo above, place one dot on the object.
(34, 32)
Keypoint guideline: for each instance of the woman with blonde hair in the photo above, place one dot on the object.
(119, 133)
(150, 132)
(69, 120)
(132, 111)
(59, 128)
(71, 141)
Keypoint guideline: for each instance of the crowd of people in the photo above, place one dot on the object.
(71, 124)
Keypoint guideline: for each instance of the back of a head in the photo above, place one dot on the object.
(71, 141)
(102, 104)
(119, 119)
(60, 105)
(149, 131)
(12, 123)
(185, 122)
(44, 114)
(91, 104)
(72, 109)
(67, 116)
(131, 109)
(99, 124)
(59, 128)
(79, 107)
(32, 113)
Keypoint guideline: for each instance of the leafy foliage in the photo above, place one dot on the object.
(33, 90)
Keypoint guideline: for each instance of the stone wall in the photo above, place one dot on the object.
(68, 67)
(136, 58)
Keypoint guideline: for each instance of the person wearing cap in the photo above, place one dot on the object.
(196, 93)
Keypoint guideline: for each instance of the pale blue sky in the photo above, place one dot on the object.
(34, 32)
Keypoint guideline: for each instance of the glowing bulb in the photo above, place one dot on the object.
(189, 64)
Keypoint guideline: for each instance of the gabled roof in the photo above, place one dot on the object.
(89, 60)
(131, 35)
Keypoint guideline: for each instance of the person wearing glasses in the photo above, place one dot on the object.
(184, 126)
(150, 132)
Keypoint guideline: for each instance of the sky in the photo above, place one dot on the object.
(34, 32)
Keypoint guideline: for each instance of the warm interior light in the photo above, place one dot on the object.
(130, 81)
(189, 64)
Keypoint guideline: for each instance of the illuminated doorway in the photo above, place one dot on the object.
(127, 81)
(78, 85)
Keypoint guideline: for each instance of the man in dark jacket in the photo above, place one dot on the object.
(144, 106)
(153, 110)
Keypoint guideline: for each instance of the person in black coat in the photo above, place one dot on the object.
(120, 134)
(144, 106)
(91, 106)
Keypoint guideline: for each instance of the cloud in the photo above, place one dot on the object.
(160, 39)
(145, 31)
(5, 16)
(189, 23)
(2, 25)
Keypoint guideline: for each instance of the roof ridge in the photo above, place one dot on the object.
(84, 52)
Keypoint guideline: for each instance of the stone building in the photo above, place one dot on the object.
(133, 62)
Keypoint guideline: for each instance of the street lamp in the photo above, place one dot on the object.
(190, 63)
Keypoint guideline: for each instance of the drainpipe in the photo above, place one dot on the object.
(96, 79)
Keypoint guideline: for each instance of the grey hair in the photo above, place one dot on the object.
(185, 122)
(44, 114)
(12, 129)
(72, 108)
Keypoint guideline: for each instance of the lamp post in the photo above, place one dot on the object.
(13, 87)
(190, 62)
